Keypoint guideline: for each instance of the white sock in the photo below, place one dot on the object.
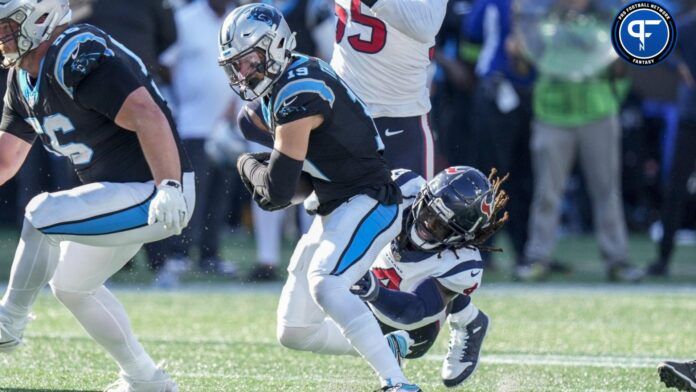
(105, 320)
(462, 318)
(357, 324)
(33, 266)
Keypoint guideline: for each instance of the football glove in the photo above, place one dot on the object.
(169, 206)
(367, 288)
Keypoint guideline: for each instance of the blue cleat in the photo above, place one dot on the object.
(400, 343)
(400, 387)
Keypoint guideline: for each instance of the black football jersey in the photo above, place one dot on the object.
(344, 154)
(84, 79)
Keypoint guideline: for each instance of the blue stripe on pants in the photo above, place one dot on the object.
(113, 222)
(376, 222)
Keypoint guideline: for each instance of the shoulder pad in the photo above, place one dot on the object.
(78, 56)
(464, 278)
(409, 182)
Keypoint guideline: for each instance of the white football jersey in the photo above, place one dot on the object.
(405, 270)
(383, 52)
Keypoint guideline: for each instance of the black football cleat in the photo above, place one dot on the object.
(680, 375)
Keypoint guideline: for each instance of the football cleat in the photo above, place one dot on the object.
(680, 375)
(400, 343)
(11, 331)
(400, 387)
(464, 350)
(160, 382)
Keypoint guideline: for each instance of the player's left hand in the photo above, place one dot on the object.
(169, 206)
(367, 288)
(262, 158)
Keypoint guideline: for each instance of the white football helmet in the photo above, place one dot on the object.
(251, 30)
(37, 19)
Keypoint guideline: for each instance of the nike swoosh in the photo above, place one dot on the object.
(387, 132)
(476, 329)
(289, 101)
(475, 274)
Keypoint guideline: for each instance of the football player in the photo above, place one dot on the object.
(428, 273)
(90, 99)
(321, 128)
(383, 50)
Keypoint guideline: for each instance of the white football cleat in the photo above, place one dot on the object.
(160, 382)
(11, 331)
(464, 350)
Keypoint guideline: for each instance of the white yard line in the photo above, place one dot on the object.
(601, 361)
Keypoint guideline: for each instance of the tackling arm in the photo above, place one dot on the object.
(428, 299)
(140, 114)
(13, 152)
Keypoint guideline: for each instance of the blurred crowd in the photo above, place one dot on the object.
(532, 88)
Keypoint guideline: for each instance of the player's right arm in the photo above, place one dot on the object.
(419, 19)
(13, 152)
(428, 299)
(16, 138)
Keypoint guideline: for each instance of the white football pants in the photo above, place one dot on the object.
(336, 252)
(77, 239)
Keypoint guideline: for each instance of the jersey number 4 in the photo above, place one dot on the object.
(387, 277)
(378, 36)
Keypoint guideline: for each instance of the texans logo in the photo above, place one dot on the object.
(487, 206)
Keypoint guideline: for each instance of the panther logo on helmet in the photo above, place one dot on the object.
(265, 15)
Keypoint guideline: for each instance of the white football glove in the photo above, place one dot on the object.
(168, 206)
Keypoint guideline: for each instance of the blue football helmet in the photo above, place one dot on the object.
(453, 208)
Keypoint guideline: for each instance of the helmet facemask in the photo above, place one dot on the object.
(255, 47)
(252, 72)
(9, 39)
(28, 23)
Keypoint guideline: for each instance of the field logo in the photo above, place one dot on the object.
(644, 33)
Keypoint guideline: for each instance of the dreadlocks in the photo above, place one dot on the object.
(500, 200)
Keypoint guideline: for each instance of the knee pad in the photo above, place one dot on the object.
(67, 298)
(321, 287)
(296, 338)
(38, 209)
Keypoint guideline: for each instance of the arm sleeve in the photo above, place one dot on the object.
(418, 19)
(112, 76)
(250, 131)
(409, 307)
(14, 124)
(276, 182)
(305, 104)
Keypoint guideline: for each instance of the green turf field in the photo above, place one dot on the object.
(572, 334)
(543, 338)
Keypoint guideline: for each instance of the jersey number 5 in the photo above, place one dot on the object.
(378, 36)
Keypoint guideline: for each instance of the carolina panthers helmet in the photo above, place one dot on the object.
(258, 28)
(37, 19)
(450, 209)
